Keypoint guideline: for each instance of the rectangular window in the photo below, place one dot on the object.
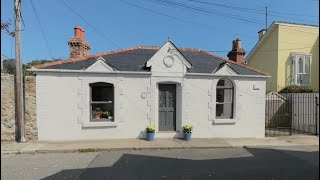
(301, 69)
(102, 102)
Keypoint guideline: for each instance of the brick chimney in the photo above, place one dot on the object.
(237, 53)
(78, 45)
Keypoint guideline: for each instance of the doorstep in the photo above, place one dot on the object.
(168, 134)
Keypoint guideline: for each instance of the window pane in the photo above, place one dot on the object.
(224, 95)
(102, 111)
(300, 65)
(224, 110)
(102, 93)
(293, 72)
(307, 63)
(219, 110)
(224, 82)
(304, 79)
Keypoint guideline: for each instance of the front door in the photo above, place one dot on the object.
(167, 107)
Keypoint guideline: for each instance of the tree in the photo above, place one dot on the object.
(9, 66)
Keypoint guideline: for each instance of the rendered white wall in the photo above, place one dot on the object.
(63, 106)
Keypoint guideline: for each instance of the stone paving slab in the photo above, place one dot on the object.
(159, 143)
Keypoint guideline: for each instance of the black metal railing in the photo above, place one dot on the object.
(294, 113)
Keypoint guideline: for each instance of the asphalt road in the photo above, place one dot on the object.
(219, 163)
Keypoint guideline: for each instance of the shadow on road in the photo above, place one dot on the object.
(264, 164)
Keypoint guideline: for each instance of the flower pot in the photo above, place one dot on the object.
(187, 136)
(150, 136)
(97, 116)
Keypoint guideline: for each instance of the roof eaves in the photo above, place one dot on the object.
(40, 66)
(299, 24)
(232, 62)
(264, 37)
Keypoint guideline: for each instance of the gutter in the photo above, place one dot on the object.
(218, 75)
(87, 72)
(138, 73)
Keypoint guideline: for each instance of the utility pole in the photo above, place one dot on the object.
(1, 63)
(266, 17)
(19, 92)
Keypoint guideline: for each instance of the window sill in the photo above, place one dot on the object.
(99, 124)
(225, 121)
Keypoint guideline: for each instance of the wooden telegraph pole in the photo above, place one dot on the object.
(19, 93)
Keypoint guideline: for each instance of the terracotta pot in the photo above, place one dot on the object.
(97, 116)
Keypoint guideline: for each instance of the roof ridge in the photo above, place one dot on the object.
(39, 66)
(230, 61)
(139, 47)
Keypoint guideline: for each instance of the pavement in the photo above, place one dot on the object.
(285, 162)
(140, 144)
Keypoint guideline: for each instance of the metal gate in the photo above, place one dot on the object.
(288, 114)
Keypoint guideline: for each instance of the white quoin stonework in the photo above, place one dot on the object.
(63, 101)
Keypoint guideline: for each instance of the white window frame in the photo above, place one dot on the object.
(295, 67)
(232, 88)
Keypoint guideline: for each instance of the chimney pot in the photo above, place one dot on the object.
(238, 43)
(77, 32)
(237, 53)
(78, 46)
(261, 33)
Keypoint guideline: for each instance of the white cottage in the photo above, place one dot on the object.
(117, 94)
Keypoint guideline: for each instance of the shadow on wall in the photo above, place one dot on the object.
(264, 164)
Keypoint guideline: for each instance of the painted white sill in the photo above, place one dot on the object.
(225, 121)
(99, 124)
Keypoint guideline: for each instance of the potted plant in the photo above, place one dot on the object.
(150, 132)
(97, 113)
(106, 114)
(187, 131)
(109, 114)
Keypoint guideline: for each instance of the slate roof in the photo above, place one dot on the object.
(134, 59)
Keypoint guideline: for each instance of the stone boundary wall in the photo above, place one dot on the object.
(8, 108)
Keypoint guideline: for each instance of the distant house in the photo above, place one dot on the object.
(117, 94)
(289, 52)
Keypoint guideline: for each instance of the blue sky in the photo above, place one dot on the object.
(114, 24)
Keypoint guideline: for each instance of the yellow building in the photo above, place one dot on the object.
(289, 52)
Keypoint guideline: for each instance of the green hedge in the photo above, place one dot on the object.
(297, 89)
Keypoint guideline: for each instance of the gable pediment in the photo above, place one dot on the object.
(168, 59)
(100, 65)
(225, 69)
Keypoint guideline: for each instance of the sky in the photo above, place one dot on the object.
(115, 24)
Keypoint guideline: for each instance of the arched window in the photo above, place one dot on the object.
(102, 101)
(224, 99)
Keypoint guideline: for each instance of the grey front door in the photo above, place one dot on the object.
(167, 107)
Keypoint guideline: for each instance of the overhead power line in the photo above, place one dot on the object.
(206, 11)
(209, 27)
(41, 29)
(166, 15)
(257, 11)
(271, 50)
(89, 24)
(228, 6)
(6, 56)
(305, 15)
(252, 10)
